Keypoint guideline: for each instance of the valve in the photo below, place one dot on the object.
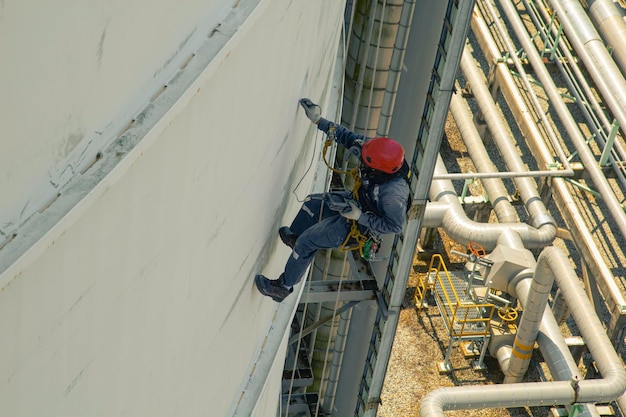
(476, 249)
(507, 314)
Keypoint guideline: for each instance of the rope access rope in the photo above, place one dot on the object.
(361, 240)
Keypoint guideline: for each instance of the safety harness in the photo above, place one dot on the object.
(369, 244)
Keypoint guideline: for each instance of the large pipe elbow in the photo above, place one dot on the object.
(464, 230)
(613, 382)
(493, 396)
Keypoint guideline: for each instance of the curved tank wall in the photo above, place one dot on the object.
(132, 292)
(74, 73)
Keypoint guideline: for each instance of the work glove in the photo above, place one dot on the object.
(354, 213)
(313, 111)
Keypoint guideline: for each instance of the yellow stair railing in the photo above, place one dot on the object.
(463, 317)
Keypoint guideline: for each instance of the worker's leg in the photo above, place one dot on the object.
(309, 214)
(329, 233)
(314, 209)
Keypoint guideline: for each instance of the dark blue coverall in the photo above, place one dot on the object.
(384, 206)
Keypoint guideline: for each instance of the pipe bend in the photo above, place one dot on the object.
(463, 230)
(492, 396)
(613, 382)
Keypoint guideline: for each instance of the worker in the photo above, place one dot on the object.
(379, 205)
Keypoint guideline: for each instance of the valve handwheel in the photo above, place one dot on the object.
(507, 313)
(476, 249)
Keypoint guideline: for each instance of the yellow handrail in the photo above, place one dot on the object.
(455, 310)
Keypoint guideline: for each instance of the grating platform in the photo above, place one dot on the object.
(463, 317)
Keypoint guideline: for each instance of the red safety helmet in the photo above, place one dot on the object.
(383, 154)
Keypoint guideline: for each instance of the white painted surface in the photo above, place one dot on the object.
(139, 301)
(73, 74)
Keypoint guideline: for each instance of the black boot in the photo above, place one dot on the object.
(273, 287)
(287, 236)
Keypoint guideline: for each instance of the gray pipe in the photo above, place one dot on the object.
(597, 120)
(575, 136)
(369, 61)
(552, 345)
(531, 319)
(538, 323)
(363, 61)
(560, 309)
(583, 313)
(433, 215)
(607, 389)
(395, 68)
(583, 36)
(337, 359)
(580, 233)
(526, 186)
(603, 69)
(464, 230)
(612, 27)
(528, 122)
(496, 191)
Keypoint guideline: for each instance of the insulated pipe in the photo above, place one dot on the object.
(551, 343)
(583, 313)
(528, 121)
(560, 309)
(527, 187)
(369, 61)
(527, 331)
(611, 367)
(570, 125)
(583, 36)
(363, 61)
(433, 215)
(605, 73)
(552, 346)
(612, 27)
(337, 359)
(496, 191)
(580, 233)
(464, 230)
(593, 112)
(538, 323)
(395, 68)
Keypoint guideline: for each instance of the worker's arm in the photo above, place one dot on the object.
(345, 136)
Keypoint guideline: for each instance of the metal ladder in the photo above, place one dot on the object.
(451, 43)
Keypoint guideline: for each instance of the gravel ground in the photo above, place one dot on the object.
(422, 340)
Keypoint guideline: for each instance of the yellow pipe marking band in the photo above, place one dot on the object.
(521, 350)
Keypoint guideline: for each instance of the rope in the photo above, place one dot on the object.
(355, 233)
(354, 172)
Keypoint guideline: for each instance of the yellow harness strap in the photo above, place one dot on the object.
(354, 233)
